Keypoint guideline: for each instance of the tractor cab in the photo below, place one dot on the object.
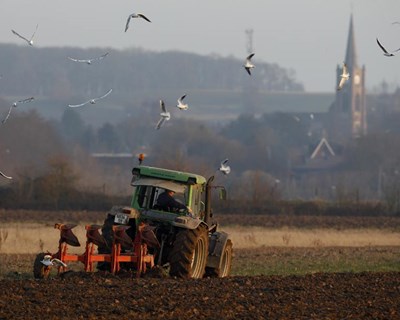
(150, 182)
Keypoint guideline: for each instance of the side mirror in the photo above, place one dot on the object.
(222, 194)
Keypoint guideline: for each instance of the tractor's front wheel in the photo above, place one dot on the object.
(225, 263)
(188, 257)
(40, 271)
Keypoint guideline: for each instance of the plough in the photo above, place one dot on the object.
(123, 250)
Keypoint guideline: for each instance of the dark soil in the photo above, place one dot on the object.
(80, 295)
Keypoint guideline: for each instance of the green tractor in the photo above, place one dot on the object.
(186, 242)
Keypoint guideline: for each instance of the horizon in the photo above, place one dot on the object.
(289, 38)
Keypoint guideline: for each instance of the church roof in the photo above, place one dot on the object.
(351, 54)
(323, 144)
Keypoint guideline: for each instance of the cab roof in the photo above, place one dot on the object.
(185, 177)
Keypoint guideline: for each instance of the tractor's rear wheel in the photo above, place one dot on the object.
(188, 257)
(224, 268)
(40, 271)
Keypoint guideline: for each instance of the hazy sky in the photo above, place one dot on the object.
(308, 36)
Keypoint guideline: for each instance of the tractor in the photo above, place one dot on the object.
(185, 243)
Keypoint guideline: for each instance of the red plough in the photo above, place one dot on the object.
(135, 252)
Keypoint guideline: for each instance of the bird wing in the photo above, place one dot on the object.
(341, 83)
(127, 22)
(78, 105)
(248, 70)
(5, 176)
(26, 100)
(143, 16)
(58, 262)
(181, 98)
(162, 105)
(17, 34)
(250, 56)
(34, 32)
(8, 115)
(109, 91)
(78, 60)
(224, 162)
(344, 68)
(381, 46)
(160, 122)
(103, 56)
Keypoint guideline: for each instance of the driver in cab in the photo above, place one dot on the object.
(167, 202)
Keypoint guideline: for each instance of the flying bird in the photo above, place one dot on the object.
(343, 77)
(92, 101)
(5, 176)
(135, 15)
(30, 41)
(89, 61)
(48, 261)
(385, 52)
(249, 65)
(224, 168)
(14, 105)
(181, 105)
(165, 115)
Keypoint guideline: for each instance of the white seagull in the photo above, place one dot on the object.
(92, 101)
(181, 105)
(224, 168)
(385, 52)
(48, 261)
(30, 41)
(5, 176)
(249, 65)
(14, 105)
(89, 61)
(165, 115)
(343, 77)
(135, 15)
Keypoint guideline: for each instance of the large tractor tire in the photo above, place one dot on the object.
(188, 257)
(40, 271)
(224, 268)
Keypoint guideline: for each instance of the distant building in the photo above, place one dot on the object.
(348, 115)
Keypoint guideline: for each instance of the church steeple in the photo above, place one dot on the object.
(351, 54)
(349, 113)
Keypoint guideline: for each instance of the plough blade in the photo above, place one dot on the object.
(66, 234)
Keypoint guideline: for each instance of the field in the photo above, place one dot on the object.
(284, 267)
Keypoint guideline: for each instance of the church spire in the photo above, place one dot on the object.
(351, 55)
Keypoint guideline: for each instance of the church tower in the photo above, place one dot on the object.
(348, 112)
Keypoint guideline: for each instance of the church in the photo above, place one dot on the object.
(348, 113)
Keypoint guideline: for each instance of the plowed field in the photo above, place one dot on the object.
(318, 283)
(95, 296)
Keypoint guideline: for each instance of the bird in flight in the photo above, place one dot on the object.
(343, 77)
(14, 105)
(385, 52)
(165, 115)
(135, 15)
(181, 105)
(30, 41)
(92, 101)
(89, 61)
(224, 168)
(5, 176)
(48, 261)
(248, 64)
